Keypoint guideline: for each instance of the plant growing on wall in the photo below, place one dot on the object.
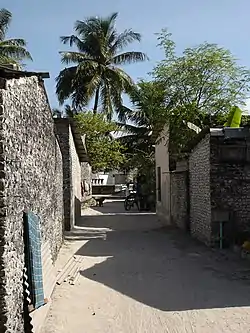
(12, 51)
(105, 152)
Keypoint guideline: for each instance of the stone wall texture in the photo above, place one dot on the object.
(62, 133)
(230, 186)
(199, 191)
(86, 171)
(75, 182)
(71, 173)
(179, 199)
(31, 179)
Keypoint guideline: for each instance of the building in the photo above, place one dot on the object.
(162, 177)
(219, 186)
(75, 161)
(40, 186)
(208, 194)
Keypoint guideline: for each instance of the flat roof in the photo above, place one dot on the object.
(11, 73)
(226, 132)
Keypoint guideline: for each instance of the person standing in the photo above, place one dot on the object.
(127, 190)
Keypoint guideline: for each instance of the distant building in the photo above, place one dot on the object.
(208, 194)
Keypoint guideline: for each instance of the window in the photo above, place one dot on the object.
(158, 183)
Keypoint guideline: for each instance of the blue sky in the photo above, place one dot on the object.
(41, 22)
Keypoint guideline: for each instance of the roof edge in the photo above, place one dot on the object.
(11, 73)
(78, 138)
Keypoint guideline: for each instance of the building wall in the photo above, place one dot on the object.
(120, 178)
(71, 172)
(162, 162)
(31, 179)
(230, 186)
(86, 171)
(75, 174)
(199, 182)
(62, 133)
(179, 199)
(102, 178)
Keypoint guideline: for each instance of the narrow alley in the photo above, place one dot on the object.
(139, 277)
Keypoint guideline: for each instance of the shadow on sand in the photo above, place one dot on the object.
(164, 270)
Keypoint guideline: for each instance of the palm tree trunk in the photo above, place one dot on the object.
(96, 100)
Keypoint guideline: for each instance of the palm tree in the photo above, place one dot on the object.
(57, 113)
(12, 51)
(96, 73)
(143, 123)
(149, 115)
(68, 112)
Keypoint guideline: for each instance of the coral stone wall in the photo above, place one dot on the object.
(31, 179)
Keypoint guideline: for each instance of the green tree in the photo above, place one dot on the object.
(96, 72)
(105, 152)
(143, 123)
(204, 82)
(12, 51)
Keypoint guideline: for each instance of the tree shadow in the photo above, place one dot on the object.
(153, 269)
(119, 222)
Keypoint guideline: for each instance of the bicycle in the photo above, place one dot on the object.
(130, 202)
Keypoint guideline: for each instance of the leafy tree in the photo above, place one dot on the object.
(203, 83)
(105, 152)
(96, 72)
(12, 51)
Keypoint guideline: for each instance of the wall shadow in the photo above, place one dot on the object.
(119, 222)
(85, 234)
(167, 271)
(77, 208)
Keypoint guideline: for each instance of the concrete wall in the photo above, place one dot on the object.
(120, 178)
(162, 162)
(111, 178)
(31, 179)
(102, 179)
(199, 182)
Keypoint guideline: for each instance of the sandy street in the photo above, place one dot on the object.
(140, 278)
